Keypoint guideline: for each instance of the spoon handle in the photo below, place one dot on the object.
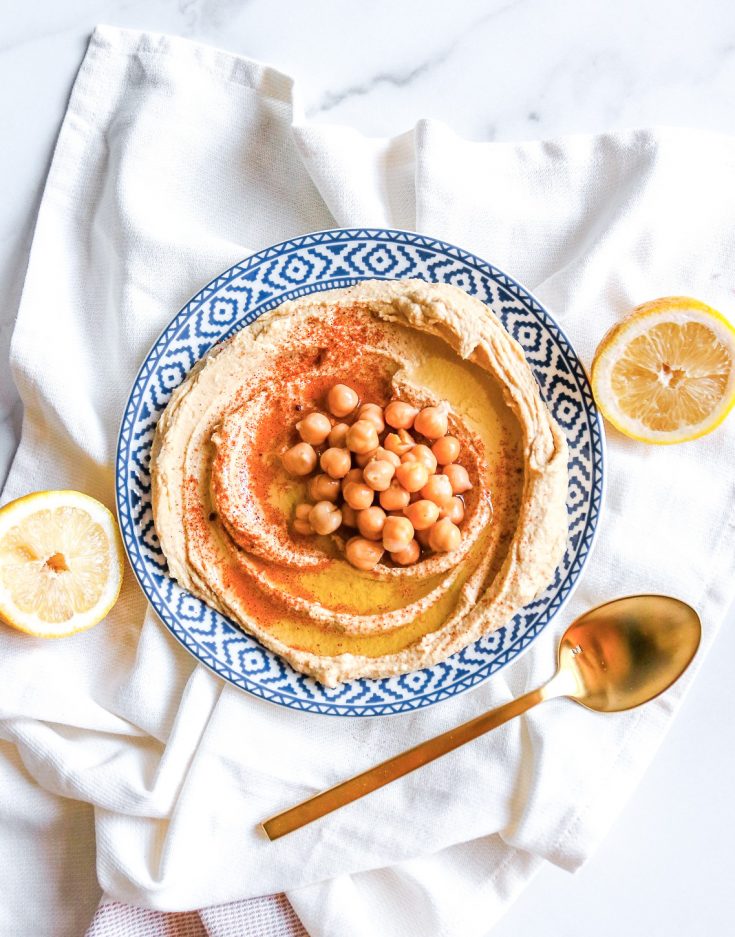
(382, 774)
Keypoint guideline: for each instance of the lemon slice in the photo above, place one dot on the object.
(61, 563)
(666, 373)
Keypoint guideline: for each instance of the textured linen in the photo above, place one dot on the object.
(174, 161)
(270, 916)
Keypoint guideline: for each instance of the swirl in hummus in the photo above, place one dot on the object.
(222, 501)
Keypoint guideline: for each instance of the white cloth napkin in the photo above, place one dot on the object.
(174, 161)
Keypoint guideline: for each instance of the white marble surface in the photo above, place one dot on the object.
(494, 70)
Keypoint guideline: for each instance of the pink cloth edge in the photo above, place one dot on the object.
(268, 916)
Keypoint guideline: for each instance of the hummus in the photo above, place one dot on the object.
(223, 504)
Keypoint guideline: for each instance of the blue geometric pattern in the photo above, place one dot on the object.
(330, 260)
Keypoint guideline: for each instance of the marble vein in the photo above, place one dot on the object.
(401, 79)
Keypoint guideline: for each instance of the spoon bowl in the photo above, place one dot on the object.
(614, 657)
(628, 651)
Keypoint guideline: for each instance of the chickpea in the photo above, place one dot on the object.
(412, 475)
(387, 456)
(378, 474)
(399, 442)
(395, 497)
(423, 537)
(446, 449)
(370, 522)
(338, 436)
(362, 437)
(358, 495)
(408, 555)
(373, 414)
(301, 519)
(454, 510)
(444, 536)
(299, 459)
(400, 415)
(341, 400)
(323, 488)
(335, 462)
(458, 477)
(349, 516)
(363, 554)
(365, 457)
(438, 489)
(421, 454)
(325, 517)
(432, 422)
(397, 534)
(422, 514)
(354, 475)
(314, 428)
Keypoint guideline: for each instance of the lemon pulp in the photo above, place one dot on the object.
(671, 376)
(666, 372)
(56, 564)
(60, 563)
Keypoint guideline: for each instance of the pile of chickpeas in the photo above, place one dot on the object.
(399, 494)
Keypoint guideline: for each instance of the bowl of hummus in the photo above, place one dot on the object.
(328, 611)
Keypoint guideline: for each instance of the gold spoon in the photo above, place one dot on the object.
(612, 658)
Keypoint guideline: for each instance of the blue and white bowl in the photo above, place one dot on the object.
(329, 260)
